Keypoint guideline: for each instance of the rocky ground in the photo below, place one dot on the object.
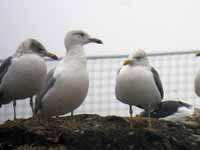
(93, 132)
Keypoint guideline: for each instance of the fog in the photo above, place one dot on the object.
(155, 25)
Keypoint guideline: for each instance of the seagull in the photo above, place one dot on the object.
(22, 74)
(67, 84)
(171, 111)
(197, 79)
(138, 83)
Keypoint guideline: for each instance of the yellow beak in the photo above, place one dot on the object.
(198, 53)
(51, 55)
(126, 62)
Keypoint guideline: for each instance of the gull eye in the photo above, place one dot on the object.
(82, 34)
(138, 57)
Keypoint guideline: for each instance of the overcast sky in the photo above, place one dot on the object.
(121, 24)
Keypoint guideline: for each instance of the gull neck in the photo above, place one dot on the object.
(76, 50)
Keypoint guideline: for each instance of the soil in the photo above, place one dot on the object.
(94, 132)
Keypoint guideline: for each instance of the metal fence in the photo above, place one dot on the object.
(177, 71)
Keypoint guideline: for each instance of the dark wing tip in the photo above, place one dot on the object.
(158, 81)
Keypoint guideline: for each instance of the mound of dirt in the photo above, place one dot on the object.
(93, 132)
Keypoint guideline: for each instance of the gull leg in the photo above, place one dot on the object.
(14, 107)
(149, 119)
(131, 115)
(31, 104)
(72, 113)
(38, 106)
(56, 116)
(149, 115)
(35, 110)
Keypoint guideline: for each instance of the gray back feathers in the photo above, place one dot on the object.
(3, 70)
(4, 67)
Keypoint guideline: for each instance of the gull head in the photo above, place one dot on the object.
(198, 53)
(79, 37)
(34, 46)
(137, 57)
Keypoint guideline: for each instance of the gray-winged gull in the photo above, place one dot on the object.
(197, 79)
(172, 111)
(138, 83)
(67, 84)
(22, 74)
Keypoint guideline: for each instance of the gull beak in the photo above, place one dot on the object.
(127, 61)
(94, 40)
(51, 55)
(198, 53)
